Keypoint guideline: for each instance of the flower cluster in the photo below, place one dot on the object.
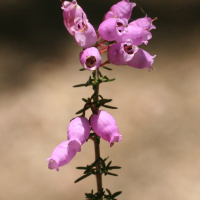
(78, 132)
(123, 37)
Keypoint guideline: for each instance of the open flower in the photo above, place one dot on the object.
(121, 53)
(104, 126)
(71, 10)
(141, 59)
(90, 58)
(63, 154)
(122, 9)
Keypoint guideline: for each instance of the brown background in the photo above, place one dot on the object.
(158, 113)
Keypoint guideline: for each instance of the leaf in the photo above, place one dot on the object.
(116, 194)
(80, 111)
(81, 168)
(109, 192)
(109, 80)
(112, 174)
(111, 107)
(82, 69)
(85, 100)
(80, 85)
(107, 68)
(114, 167)
(82, 177)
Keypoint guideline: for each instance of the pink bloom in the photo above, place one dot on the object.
(137, 34)
(104, 126)
(141, 59)
(112, 28)
(63, 154)
(79, 130)
(84, 33)
(122, 9)
(121, 53)
(145, 23)
(90, 58)
(71, 10)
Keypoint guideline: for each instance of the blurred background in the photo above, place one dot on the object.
(158, 111)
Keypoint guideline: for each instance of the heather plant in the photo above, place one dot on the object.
(120, 39)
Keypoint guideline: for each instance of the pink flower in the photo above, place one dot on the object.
(84, 33)
(63, 154)
(112, 28)
(71, 10)
(79, 130)
(122, 9)
(90, 58)
(145, 23)
(141, 59)
(104, 126)
(121, 53)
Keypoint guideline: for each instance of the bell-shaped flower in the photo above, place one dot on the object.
(112, 28)
(84, 33)
(145, 23)
(121, 53)
(104, 126)
(122, 9)
(71, 10)
(79, 130)
(137, 34)
(141, 59)
(63, 154)
(90, 58)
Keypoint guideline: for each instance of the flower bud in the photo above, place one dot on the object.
(90, 58)
(79, 130)
(63, 154)
(122, 9)
(104, 126)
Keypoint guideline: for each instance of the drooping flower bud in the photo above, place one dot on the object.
(71, 10)
(79, 130)
(122, 9)
(121, 53)
(63, 154)
(104, 126)
(90, 58)
(141, 59)
(84, 33)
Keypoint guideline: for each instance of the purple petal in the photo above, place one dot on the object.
(122, 9)
(104, 126)
(90, 58)
(121, 53)
(141, 59)
(79, 129)
(71, 10)
(63, 154)
(84, 33)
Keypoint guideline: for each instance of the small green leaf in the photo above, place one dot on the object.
(116, 194)
(100, 74)
(114, 167)
(82, 69)
(112, 174)
(80, 111)
(107, 68)
(111, 107)
(109, 80)
(82, 177)
(81, 168)
(85, 100)
(109, 192)
(80, 85)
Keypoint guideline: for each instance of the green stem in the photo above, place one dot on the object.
(96, 145)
